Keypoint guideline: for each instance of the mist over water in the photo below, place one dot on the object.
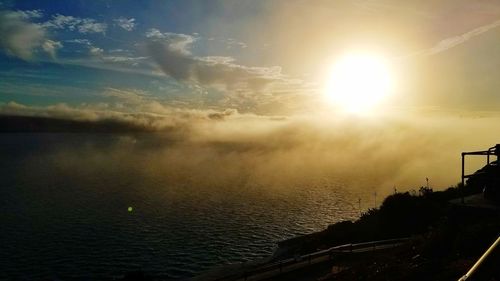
(207, 194)
(64, 201)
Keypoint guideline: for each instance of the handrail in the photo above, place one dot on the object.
(308, 257)
(473, 269)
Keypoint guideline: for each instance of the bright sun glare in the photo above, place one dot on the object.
(358, 83)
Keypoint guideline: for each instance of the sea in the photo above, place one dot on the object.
(97, 206)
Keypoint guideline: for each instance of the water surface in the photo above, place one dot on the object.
(64, 201)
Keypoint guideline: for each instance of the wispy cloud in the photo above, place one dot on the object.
(29, 14)
(91, 26)
(454, 41)
(128, 60)
(80, 41)
(231, 43)
(176, 41)
(130, 96)
(82, 25)
(96, 51)
(51, 47)
(126, 24)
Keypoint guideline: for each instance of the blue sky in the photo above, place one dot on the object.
(98, 45)
(266, 57)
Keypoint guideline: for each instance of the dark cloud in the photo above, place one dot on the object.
(221, 115)
(172, 54)
(13, 124)
(172, 62)
(140, 112)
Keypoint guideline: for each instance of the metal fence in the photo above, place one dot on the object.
(313, 258)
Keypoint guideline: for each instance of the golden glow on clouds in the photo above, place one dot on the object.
(359, 82)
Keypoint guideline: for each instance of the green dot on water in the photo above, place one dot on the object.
(130, 209)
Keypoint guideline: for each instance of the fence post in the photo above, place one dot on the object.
(280, 266)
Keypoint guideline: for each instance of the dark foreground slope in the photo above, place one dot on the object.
(28, 124)
(445, 252)
(447, 239)
(400, 215)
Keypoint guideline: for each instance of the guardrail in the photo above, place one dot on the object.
(485, 256)
(313, 258)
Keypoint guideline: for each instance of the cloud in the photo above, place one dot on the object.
(55, 111)
(60, 22)
(125, 60)
(248, 88)
(171, 51)
(176, 41)
(131, 96)
(222, 115)
(51, 47)
(140, 110)
(276, 152)
(82, 25)
(95, 51)
(119, 51)
(80, 41)
(30, 14)
(126, 24)
(91, 26)
(231, 43)
(454, 41)
(19, 37)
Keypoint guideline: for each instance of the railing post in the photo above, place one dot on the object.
(480, 260)
(281, 266)
(463, 177)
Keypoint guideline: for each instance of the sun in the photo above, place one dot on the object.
(359, 82)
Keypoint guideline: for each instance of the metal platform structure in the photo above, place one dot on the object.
(492, 151)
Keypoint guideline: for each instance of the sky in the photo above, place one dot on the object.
(266, 57)
(261, 66)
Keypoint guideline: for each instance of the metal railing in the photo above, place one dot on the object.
(480, 261)
(313, 258)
